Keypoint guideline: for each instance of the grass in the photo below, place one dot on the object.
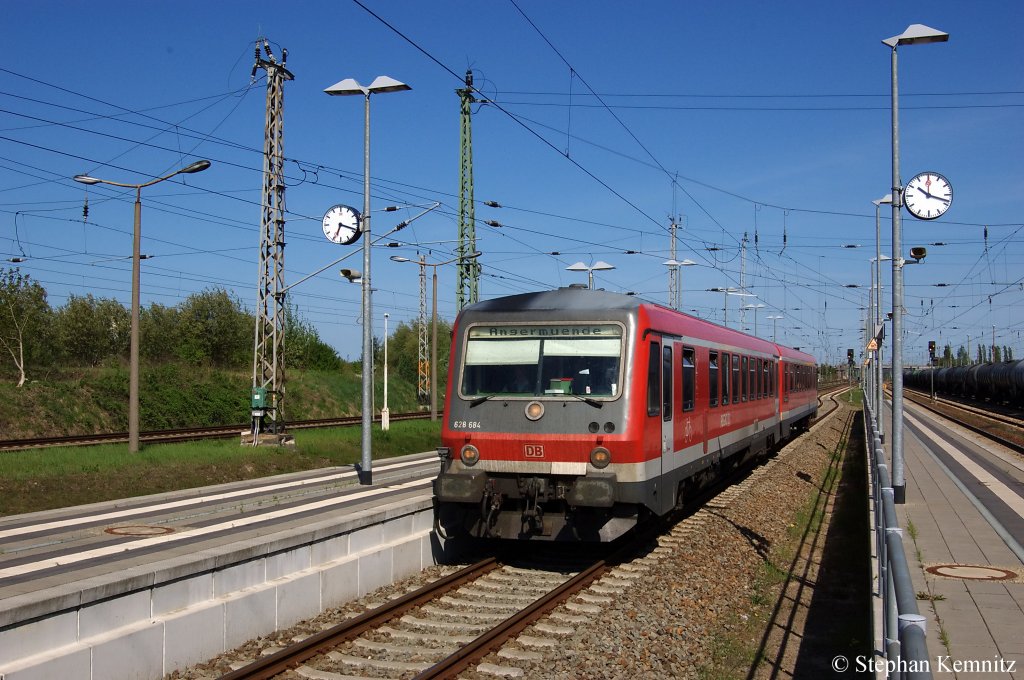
(42, 479)
(68, 401)
(844, 558)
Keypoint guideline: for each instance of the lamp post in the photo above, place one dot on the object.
(775, 320)
(133, 370)
(725, 302)
(887, 200)
(879, 396)
(674, 266)
(738, 293)
(385, 414)
(915, 34)
(350, 86)
(422, 262)
(599, 266)
(755, 308)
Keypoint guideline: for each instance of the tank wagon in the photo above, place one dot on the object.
(575, 414)
(998, 382)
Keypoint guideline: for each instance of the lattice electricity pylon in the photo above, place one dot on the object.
(467, 291)
(673, 271)
(423, 358)
(268, 359)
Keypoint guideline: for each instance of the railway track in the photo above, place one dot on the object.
(1001, 429)
(438, 630)
(449, 626)
(1003, 415)
(185, 434)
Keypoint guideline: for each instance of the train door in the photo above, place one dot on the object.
(658, 430)
(692, 425)
(667, 392)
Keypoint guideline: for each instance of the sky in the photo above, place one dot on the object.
(764, 129)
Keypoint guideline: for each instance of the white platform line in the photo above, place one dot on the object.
(193, 533)
(185, 502)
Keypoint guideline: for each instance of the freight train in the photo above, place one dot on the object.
(575, 414)
(998, 382)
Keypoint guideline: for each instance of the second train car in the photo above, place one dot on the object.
(575, 414)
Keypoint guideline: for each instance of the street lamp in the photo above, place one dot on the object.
(877, 321)
(133, 370)
(876, 276)
(422, 262)
(915, 34)
(599, 266)
(349, 86)
(674, 266)
(755, 308)
(775, 320)
(725, 302)
(385, 414)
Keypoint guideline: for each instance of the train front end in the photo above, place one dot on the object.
(536, 441)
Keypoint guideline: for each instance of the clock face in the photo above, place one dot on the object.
(341, 225)
(928, 195)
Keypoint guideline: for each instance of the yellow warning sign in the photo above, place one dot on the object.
(873, 345)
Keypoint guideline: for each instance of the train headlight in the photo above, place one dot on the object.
(600, 457)
(534, 410)
(469, 455)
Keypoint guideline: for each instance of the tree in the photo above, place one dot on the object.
(303, 346)
(214, 329)
(24, 319)
(158, 330)
(403, 351)
(89, 330)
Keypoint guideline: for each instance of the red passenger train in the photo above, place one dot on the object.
(574, 414)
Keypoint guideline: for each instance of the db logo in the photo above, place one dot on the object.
(533, 450)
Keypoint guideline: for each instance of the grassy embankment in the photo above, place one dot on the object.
(42, 479)
(91, 401)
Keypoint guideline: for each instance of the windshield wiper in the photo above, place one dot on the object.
(592, 402)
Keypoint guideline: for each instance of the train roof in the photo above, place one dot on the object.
(560, 299)
(577, 299)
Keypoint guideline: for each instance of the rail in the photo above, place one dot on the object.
(190, 433)
(904, 645)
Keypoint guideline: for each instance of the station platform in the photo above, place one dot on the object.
(963, 528)
(144, 586)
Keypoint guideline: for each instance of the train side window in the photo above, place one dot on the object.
(745, 389)
(689, 378)
(753, 379)
(666, 383)
(713, 378)
(653, 384)
(725, 379)
(758, 368)
(737, 386)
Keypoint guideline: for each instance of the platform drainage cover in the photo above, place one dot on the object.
(966, 571)
(139, 530)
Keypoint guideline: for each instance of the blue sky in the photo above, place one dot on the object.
(764, 119)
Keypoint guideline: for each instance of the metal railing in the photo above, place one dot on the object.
(904, 645)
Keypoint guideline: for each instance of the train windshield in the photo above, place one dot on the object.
(548, 360)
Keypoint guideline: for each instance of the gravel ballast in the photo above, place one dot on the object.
(732, 583)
